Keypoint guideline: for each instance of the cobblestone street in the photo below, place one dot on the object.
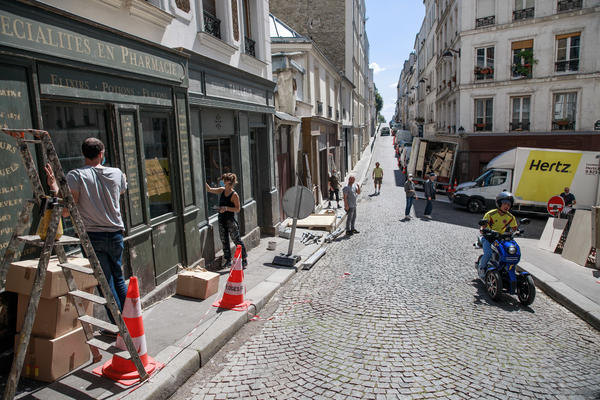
(396, 312)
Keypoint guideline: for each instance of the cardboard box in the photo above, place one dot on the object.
(54, 317)
(21, 275)
(47, 360)
(197, 284)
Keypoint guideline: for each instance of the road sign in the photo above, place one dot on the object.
(555, 205)
(298, 202)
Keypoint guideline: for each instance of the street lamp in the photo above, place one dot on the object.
(448, 53)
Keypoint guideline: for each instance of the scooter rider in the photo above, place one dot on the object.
(499, 220)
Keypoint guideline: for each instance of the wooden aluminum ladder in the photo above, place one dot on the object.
(51, 243)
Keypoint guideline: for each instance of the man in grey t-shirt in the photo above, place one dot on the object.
(96, 190)
(351, 191)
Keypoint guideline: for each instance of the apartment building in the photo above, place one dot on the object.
(338, 28)
(308, 89)
(179, 91)
(514, 73)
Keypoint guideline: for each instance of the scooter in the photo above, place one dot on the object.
(501, 273)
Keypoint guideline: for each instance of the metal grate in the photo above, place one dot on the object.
(212, 25)
(525, 13)
(250, 46)
(486, 21)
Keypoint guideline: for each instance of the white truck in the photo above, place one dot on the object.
(435, 156)
(533, 176)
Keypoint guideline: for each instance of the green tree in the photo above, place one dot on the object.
(378, 101)
(380, 118)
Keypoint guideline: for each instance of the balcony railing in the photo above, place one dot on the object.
(479, 22)
(329, 112)
(319, 108)
(519, 126)
(568, 5)
(482, 73)
(525, 13)
(563, 125)
(480, 127)
(569, 65)
(250, 46)
(337, 115)
(212, 25)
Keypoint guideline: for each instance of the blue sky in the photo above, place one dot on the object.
(391, 29)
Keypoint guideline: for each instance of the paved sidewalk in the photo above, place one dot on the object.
(184, 333)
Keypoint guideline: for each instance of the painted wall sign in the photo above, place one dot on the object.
(53, 38)
(70, 82)
(219, 87)
(15, 187)
(217, 122)
(129, 130)
(184, 143)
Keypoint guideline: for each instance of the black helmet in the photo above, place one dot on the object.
(502, 196)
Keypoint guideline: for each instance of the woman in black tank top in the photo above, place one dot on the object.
(229, 204)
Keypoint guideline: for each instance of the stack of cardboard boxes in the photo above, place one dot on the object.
(57, 344)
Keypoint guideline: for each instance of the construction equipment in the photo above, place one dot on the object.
(52, 243)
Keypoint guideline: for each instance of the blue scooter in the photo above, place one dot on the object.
(501, 273)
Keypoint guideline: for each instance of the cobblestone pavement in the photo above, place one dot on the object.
(396, 312)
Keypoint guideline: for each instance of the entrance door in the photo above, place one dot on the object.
(284, 177)
(160, 164)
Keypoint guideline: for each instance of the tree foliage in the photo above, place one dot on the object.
(378, 101)
(380, 118)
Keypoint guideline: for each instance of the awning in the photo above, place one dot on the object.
(287, 117)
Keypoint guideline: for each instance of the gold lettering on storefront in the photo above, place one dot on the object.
(40, 36)
(9, 170)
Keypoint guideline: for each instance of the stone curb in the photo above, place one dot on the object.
(578, 304)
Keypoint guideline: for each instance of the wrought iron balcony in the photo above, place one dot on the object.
(568, 5)
(319, 108)
(482, 126)
(519, 126)
(525, 13)
(250, 46)
(212, 25)
(329, 111)
(337, 115)
(563, 125)
(480, 22)
(569, 65)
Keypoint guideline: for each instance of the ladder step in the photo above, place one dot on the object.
(108, 345)
(36, 241)
(31, 141)
(88, 296)
(99, 323)
(78, 268)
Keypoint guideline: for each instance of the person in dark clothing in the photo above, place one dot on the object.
(409, 190)
(429, 187)
(569, 199)
(229, 204)
(334, 188)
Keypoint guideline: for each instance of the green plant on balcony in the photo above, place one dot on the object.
(525, 63)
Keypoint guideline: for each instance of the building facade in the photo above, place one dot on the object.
(180, 92)
(338, 28)
(518, 72)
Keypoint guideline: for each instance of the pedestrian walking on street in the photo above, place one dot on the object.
(96, 190)
(351, 192)
(334, 188)
(377, 178)
(229, 204)
(411, 194)
(429, 187)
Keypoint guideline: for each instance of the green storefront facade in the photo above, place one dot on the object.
(77, 79)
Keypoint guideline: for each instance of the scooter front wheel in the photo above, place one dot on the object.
(493, 285)
(526, 290)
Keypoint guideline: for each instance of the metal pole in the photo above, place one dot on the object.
(294, 221)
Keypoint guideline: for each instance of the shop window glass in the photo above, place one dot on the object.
(217, 161)
(69, 126)
(157, 148)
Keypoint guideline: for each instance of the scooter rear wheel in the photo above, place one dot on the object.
(526, 290)
(493, 285)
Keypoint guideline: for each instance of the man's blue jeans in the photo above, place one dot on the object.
(108, 247)
(409, 203)
(487, 253)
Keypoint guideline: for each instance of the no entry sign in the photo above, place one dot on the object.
(555, 205)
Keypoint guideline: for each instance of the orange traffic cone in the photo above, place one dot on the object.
(120, 369)
(233, 297)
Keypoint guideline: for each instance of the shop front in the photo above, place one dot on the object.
(232, 131)
(75, 81)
